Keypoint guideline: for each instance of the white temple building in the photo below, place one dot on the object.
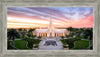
(51, 31)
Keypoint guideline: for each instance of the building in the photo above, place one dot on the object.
(51, 31)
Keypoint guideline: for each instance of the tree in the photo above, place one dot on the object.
(39, 36)
(29, 35)
(70, 28)
(12, 33)
(25, 30)
(67, 35)
(30, 32)
(9, 44)
(34, 36)
(19, 30)
(30, 42)
(62, 37)
(23, 33)
(89, 34)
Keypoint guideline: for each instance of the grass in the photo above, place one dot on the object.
(81, 44)
(21, 44)
(70, 42)
(17, 38)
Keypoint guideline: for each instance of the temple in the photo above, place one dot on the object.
(51, 31)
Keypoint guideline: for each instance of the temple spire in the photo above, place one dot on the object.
(50, 25)
(50, 18)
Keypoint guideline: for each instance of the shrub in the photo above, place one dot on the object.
(33, 36)
(22, 37)
(39, 36)
(31, 42)
(67, 35)
(9, 45)
(64, 42)
(70, 42)
(29, 35)
(62, 37)
(36, 41)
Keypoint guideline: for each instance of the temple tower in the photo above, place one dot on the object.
(50, 34)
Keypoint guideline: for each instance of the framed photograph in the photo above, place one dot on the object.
(50, 28)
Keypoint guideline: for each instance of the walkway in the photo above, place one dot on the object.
(42, 45)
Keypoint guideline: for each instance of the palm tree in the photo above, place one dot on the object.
(25, 30)
(19, 30)
(12, 33)
(23, 33)
(70, 28)
(30, 31)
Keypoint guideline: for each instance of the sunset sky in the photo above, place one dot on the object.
(62, 17)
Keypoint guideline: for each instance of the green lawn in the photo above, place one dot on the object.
(70, 42)
(81, 44)
(21, 44)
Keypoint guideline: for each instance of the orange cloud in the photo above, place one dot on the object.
(15, 22)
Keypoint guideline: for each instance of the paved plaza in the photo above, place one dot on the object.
(58, 45)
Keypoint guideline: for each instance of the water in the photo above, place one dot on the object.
(53, 43)
(50, 44)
